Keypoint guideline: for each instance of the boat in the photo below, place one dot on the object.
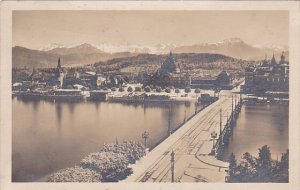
(207, 99)
(36, 94)
(54, 95)
(250, 100)
(66, 95)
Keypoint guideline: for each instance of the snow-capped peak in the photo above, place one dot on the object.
(272, 46)
(56, 45)
(232, 41)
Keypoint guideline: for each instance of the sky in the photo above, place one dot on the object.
(37, 29)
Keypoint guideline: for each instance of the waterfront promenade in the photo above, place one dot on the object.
(191, 144)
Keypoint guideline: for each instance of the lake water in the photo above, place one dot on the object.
(260, 125)
(51, 136)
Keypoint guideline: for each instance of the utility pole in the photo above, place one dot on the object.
(232, 112)
(241, 100)
(220, 135)
(172, 165)
(227, 118)
(232, 103)
(235, 106)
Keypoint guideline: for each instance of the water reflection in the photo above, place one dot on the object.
(69, 131)
(260, 125)
(58, 112)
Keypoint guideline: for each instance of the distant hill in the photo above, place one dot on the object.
(194, 63)
(76, 56)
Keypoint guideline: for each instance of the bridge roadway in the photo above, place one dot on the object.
(191, 144)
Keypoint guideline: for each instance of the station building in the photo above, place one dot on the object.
(269, 76)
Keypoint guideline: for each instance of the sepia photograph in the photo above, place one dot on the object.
(152, 96)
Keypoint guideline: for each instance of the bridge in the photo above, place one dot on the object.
(190, 154)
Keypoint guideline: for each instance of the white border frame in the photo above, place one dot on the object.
(5, 102)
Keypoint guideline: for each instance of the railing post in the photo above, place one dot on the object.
(220, 135)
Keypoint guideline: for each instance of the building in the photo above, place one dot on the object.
(59, 74)
(171, 74)
(268, 76)
(221, 81)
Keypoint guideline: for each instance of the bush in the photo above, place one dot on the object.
(168, 90)
(138, 89)
(76, 174)
(113, 89)
(177, 90)
(132, 150)
(147, 89)
(187, 90)
(121, 89)
(111, 166)
(129, 89)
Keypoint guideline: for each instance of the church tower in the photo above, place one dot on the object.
(59, 74)
(273, 61)
(282, 59)
(58, 64)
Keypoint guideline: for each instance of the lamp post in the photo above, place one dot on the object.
(145, 136)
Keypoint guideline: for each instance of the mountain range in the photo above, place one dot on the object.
(84, 54)
(74, 56)
(233, 47)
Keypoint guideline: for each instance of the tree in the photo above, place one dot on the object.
(76, 174)
(168, 90)
(138, 89)
(197, 90)
(232, 164)
(147, 89)
(177, 91)
(111, 166)
(121, 89)
(158, 89)
(187, 90)
(113, 89)
(260, 169)
(129, 89)
(132, 150)
(264, 157)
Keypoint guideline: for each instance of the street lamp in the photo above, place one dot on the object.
(145, 136)
(213, 136)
